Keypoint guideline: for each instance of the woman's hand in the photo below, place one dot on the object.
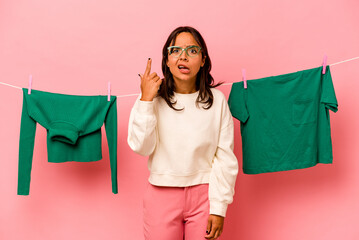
(150, 83)
(214, 226)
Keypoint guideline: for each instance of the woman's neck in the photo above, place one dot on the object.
(185, 87)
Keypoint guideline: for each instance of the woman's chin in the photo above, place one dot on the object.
(183, 77)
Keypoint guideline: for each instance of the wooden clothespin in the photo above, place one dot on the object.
(30, 84)
(244, 78)
(324, 63)
(108, 91)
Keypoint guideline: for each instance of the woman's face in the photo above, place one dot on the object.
(185, 68)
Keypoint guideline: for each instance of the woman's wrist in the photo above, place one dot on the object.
(146, 99)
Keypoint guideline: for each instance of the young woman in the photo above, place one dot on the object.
(185, 127)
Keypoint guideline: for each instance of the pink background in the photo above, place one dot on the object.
(76, 47)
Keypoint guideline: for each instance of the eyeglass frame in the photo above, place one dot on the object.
(184, 49)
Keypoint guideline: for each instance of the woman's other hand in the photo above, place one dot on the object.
(214, 226)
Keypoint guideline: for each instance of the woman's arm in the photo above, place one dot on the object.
(224, 165)
(142, 128)
(142, 124)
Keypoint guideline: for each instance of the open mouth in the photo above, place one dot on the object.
(183, 69)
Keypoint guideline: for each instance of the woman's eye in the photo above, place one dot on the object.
(193, 51)
(174, 50)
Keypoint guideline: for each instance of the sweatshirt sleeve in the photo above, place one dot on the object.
(142, 127)
(111, 133)
(224, 167)
(26, 149)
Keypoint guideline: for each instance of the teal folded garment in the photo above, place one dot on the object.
(73, 125)
(285, 122)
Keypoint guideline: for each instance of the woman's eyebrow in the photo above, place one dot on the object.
(186, 45)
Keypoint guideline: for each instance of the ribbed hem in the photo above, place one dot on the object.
(24, 192)
(217, 208)
(179, 181)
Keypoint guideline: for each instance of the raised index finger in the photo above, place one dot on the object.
(148, 67)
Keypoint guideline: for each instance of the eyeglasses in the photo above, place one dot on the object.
(191, 51)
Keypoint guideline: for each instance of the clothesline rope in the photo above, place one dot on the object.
(10, 85)
(136, 94)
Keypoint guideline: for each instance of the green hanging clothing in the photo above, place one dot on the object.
(73, 125)
(285, 122)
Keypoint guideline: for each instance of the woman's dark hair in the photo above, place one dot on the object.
(204, 79)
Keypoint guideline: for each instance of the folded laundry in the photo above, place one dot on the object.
(73, 125)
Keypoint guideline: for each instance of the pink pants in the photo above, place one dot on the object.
(175, 213)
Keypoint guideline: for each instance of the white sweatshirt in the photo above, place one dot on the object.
(188, 147)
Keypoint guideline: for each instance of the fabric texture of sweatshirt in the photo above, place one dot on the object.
(73, 125)
(188, 147)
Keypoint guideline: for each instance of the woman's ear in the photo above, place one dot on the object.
(203, 61)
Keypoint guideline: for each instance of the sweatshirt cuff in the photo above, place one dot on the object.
(217, 208)
(145, 107)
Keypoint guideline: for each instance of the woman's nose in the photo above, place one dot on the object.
(183, 55)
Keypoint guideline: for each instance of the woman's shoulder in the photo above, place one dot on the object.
(218, 95)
